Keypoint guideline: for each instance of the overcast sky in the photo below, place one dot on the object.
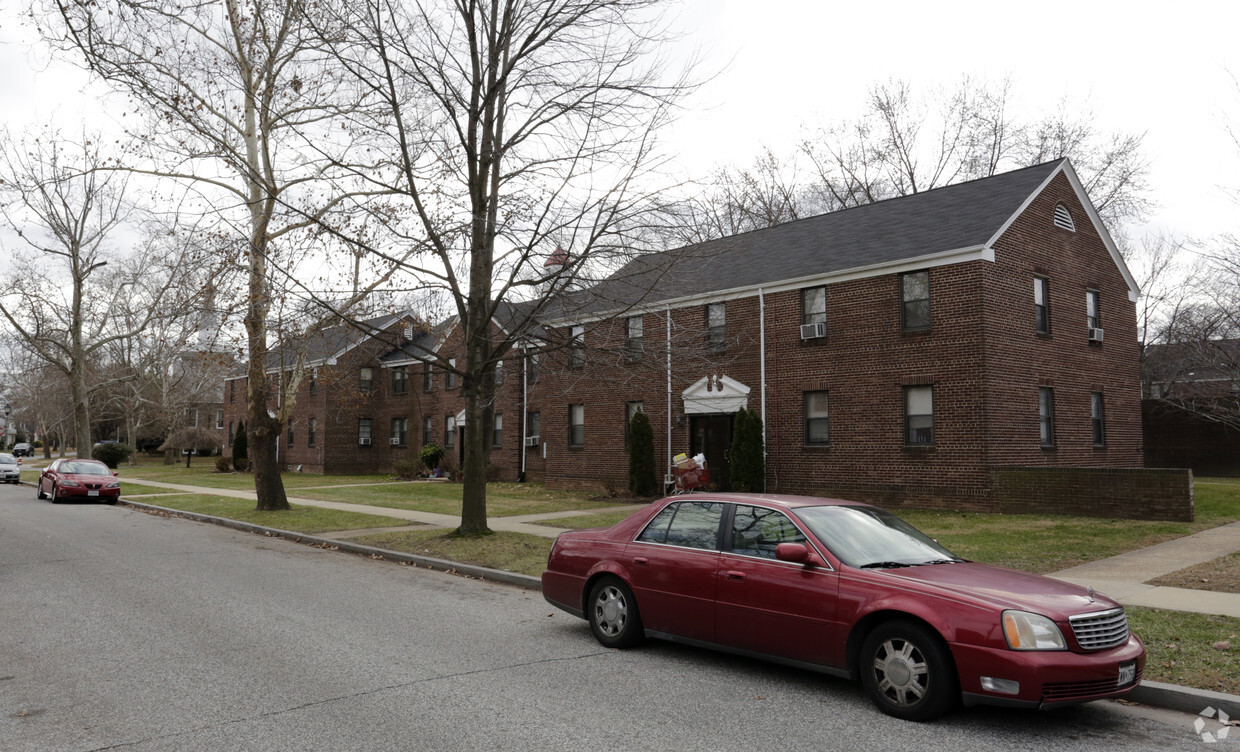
(788, 65)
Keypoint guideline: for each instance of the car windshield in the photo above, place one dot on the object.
(85, 468)
(7, 459)
(869, 537)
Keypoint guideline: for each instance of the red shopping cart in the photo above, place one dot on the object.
(690, 479)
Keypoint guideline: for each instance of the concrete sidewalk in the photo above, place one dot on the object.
(516, 524)
(1124, 577)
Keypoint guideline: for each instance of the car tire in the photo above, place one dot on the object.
(908, 671)
(38, 490)
(55, 497)
(613, 615)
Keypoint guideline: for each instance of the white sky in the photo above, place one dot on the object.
(793, 64)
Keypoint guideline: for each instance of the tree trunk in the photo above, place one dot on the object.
(170, 456)
(263, 461)
(476, 463)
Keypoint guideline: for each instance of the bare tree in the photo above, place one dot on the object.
(514, 128)
(244, 108)
(68, 210)
(904, 143)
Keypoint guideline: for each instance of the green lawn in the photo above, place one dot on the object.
(1179, 648)
(512, 552)
(602, 519)
(299, 519)
(1048, 543)
(503, 499)
(203, 473)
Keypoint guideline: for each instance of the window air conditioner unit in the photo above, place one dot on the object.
(813, 331)
(363, 442)
(531, 441)
(394, 441)
(1095, 334)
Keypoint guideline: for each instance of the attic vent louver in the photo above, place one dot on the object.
(409, 332)
(1063, 218)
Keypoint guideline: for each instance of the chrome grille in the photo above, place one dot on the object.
(1100, 630)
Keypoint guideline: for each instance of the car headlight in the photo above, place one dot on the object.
(114, 484)
(67, 482)
(1026, 631)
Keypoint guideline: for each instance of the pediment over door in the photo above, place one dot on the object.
(715, 394)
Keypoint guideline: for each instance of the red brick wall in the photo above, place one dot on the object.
(1018, 360)
(1142, 494)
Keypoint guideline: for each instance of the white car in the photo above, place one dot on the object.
(10, 470)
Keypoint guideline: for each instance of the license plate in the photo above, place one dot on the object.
(96, 493)
(1127, 673)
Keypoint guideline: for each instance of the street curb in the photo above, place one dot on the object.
(1185, 699)
(442, 565)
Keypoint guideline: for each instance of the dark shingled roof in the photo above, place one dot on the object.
(955, 217)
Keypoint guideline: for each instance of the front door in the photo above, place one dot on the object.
(712, 436)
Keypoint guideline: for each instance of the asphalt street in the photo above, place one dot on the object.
(121, 630)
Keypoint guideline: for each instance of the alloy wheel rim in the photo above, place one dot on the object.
(901, 672)
(611, 611)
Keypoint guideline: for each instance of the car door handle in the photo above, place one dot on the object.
(732, 574)
(641, 561)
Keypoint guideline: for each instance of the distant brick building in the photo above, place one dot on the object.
(908, 351)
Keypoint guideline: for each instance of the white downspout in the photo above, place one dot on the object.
(762, 365)
(525, 407)
(669, 395)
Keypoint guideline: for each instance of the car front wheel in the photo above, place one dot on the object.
(38, 491)
(908, 672)
(613, 615)
(55, 497)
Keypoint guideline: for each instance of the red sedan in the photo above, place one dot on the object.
(73, 479)
(847, 589)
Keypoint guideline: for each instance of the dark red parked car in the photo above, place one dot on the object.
(74, 479)
(847, 589)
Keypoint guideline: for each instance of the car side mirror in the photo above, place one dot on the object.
(116, 473)
(798, 553)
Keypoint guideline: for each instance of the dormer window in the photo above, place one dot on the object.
(1063, 218)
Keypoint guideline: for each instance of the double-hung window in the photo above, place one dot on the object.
(1041, 305)
(1097, 419)
(364, 426)
(497, 432)
(919, 415)
(915, 301)
(400, 430)
(400, 380)
(1046, 416)
(449, 431)
(576, 425)
(577, 348)
(311, 431)
(717, 327)
(366, 380)
(817, 425)
(1092, 319)
(633, 335)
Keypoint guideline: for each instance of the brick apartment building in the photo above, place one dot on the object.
(932, 349)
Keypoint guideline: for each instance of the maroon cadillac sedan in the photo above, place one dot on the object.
(847, 589)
